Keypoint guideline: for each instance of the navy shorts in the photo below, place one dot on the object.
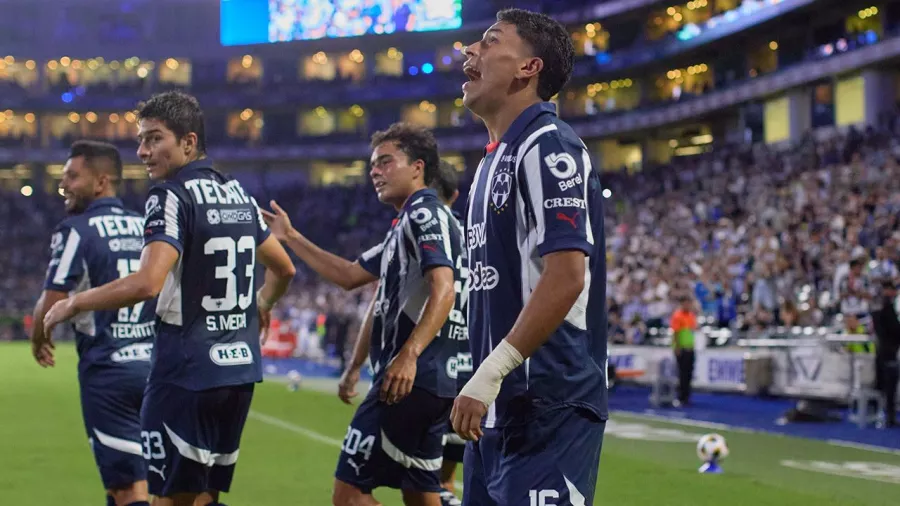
(454, 446)
(112, 419)
(398, 446)
(551, 460)
(191, 438)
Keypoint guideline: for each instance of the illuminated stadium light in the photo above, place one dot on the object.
(8, 114)
(114, 65)
(356, 56)
(247, 61)
(320, 111)
(113, 118)
(67, 97)
(357, 110)
(29, 117)
(172, 63)
(74, 117)
(142, 72)
(414, 71)
(458, 102)
(427, 68)
(320, 58)
(458, 46)
(673, 143)
(27, 190)
(773, 45)
(671, 11)
(65, 61)
(607, 193)
(52, 65)
(91, 117)
(130, 117)
(30, 65)
(246, 114)
(93, 64)
(677, 16)
(9, 60)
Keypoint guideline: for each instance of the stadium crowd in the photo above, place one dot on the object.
(759, 237)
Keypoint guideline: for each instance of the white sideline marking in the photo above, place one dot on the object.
(311, 434)
(721, 426)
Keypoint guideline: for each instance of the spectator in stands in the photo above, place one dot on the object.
(684, 324)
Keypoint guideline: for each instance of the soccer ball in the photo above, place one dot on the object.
(712, 447)
(294, 380)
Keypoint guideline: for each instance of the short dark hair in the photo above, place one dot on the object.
(447, 181)
(108, 156)
(417, 142)
(550, 42)
(180, 113)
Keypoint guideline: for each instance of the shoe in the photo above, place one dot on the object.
(449, 499)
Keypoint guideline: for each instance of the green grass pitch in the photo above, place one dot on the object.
(292, 439)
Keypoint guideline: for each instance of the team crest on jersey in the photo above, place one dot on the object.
(213, 217)
(501, 187)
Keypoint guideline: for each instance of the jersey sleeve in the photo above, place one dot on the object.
(429, 230)
(262, 230)
(554, 177)
(67, 264)
(166, 217)
(370, 260)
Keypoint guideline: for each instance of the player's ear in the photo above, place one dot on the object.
(530, 68)
(189, 143)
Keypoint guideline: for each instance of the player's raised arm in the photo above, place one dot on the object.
(340, 271)
(163, 244)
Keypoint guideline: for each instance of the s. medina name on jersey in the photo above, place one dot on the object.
(209, 330)
(90, 249)
(533, 194)
(423, 236)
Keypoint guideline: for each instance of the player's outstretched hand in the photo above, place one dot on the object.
(279, 222)
(466, 417)
(347, 385)
(60, 312)
(43, 352)
(398, 378)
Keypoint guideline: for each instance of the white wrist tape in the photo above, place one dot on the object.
(485, 383)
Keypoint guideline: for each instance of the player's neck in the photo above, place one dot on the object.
(499, 121)
(401, 205)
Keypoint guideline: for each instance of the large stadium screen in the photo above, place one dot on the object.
(265, 21)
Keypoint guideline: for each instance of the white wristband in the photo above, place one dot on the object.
(485, 383)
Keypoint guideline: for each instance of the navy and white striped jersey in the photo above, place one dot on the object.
(208, 324)
(535, 193)
(94, 248)
(424, 235)
(464, 367)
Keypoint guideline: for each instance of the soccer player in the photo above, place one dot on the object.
(536, 404)
(446, 184)
(396, 436)
(100, 242)
(202, 238)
